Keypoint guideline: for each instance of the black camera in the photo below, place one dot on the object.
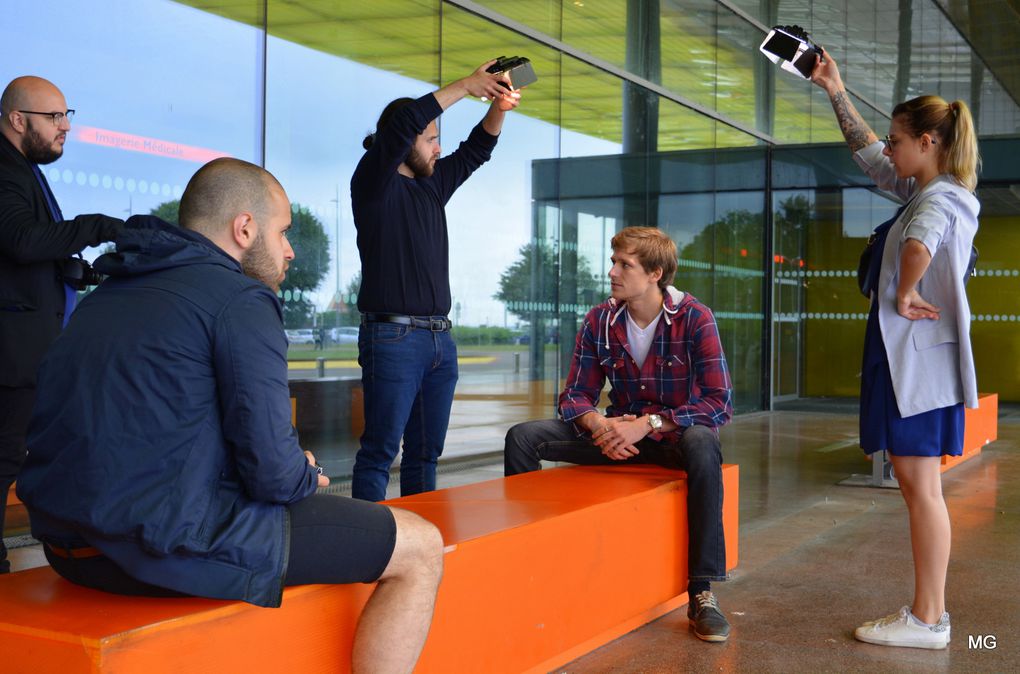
(79, 274)
(517, 68)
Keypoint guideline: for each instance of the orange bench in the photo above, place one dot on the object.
(980, 426)
(539, 569)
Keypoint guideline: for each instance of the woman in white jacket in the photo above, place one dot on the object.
(918, 370)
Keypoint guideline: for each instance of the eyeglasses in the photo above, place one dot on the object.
(57, 117)
(891, 144)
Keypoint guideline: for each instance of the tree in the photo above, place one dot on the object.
(531, 284)
(344, 314)
(168, 211)
(310, 265)
(742, 229)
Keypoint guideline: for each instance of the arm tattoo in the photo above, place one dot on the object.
(854, 128)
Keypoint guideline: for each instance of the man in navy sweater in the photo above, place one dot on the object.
(408, 358)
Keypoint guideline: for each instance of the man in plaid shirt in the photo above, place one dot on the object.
(670, 392)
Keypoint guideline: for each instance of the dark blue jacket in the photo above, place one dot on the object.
(162, 432)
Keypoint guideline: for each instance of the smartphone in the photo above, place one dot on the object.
(795, 54)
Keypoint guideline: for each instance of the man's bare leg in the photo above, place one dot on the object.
(392, 629)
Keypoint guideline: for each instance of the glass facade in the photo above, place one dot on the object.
(646, 112)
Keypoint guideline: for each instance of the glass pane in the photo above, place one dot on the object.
(133, 147)
(503, 272)
(314, 161)
(542, 15)
(331, 69)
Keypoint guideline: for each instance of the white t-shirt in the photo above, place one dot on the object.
(641, 338)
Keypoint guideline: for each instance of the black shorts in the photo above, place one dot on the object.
(334, 539)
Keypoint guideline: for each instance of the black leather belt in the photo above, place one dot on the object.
(433, 323)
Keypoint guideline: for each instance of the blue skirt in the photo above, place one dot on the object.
(934, 433)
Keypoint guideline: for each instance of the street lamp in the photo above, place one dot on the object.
(336, 240)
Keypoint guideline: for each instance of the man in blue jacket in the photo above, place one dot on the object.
(408, 358)
(162, 460)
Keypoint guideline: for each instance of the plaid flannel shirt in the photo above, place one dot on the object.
(684, 377)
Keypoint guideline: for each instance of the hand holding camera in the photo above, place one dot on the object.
(485, 85)
(520, 74)
(78, 273)
(792, 48)
(826, 74)
(517, 69)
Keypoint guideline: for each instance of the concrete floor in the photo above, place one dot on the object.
(817, 559)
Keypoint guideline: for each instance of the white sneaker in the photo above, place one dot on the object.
(903, 629)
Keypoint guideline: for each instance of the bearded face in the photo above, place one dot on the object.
(37, 149)
(421, 165)
(258, 263)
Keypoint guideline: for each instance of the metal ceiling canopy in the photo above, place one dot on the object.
(706, 88)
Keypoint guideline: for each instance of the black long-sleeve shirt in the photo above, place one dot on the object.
(401, 221)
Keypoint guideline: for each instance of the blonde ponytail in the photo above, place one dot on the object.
(960, 157)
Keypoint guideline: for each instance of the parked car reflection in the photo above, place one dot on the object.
(302, 336)
(344, 335)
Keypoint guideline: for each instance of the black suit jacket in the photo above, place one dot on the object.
(31, 247)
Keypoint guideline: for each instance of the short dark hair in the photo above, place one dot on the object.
(223, 188)
(391, 108)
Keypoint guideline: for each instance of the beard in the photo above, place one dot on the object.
(258, 264)
(37, 150)
(419, 164)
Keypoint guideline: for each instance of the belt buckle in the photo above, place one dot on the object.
(437, 324)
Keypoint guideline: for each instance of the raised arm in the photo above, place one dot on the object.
(855, 130)
(477, 149)
(480, 84)
(862, 141)
(485, 85)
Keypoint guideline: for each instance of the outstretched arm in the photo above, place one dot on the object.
(480, 84)
(25, 239)
(855, 130)
(483, 84)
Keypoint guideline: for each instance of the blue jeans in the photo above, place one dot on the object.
(408, 375)
(698, 453)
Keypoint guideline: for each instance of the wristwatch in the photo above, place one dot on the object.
(655, 421)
